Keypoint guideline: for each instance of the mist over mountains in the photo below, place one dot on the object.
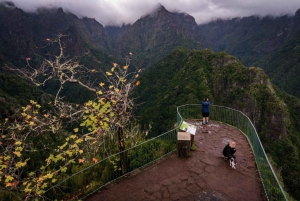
(253, 40)
(182, 63)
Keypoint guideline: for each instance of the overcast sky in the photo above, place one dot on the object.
(117, 12)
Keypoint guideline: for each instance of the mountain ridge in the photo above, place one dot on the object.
(253, 40)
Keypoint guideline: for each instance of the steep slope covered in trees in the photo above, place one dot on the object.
(186, 77)
(268, 42)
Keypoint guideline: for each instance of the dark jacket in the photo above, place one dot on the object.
(205, 106)
(229, 151)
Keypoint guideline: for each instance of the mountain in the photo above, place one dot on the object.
(155, 35)
(267, 42)
(24, 34)
(186, 77)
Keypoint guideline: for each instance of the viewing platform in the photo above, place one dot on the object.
(205, 175)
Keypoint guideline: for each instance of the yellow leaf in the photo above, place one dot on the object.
(108, 73)
(93, 70)
(99, 92)
(8, 178)
(42, 187)
(32, 123)
(80, 160)
(112, 69)
(53, 180)
(125, 67)
(80, 151)
(20, 164)
(17, 153)
(137, 75)
(6, 158)
(75, 130)
(27, 190)
(48, 176)
(18, 143)
(79, 141)
(63, 169)
(101, 84)
(73, 136)
(19, 149)
(111, 86)
(39, 192)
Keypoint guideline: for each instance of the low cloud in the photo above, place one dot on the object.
(118, 12)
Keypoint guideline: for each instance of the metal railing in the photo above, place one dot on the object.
(92, 178)
(272, 187)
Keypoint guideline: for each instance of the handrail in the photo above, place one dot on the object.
(92, 178)
(236, 118)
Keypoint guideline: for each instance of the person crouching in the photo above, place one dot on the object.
(229, 151)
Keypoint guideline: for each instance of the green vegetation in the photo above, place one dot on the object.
(186, 77)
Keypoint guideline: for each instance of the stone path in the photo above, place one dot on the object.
(205, 175)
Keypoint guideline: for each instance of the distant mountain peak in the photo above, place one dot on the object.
(8, 4)
(297, 12)
(60, 10)
(158, 9)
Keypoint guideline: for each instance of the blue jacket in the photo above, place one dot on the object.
(205, 106)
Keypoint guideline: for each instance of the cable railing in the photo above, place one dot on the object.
(272, 187)
(92, 178)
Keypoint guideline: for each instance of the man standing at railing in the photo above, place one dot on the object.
(205, 110)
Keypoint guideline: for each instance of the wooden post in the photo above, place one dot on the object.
(192, 139)
(183, 144)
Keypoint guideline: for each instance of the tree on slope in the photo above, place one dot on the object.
(105, 116)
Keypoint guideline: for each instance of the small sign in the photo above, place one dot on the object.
(183, 136)
(188, 127)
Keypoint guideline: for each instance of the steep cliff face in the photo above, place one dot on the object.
(221, 77)
(24, 34)
(248, 38)
(153, 36)
(268, 42)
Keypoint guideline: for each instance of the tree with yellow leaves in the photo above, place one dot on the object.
(107, 115)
